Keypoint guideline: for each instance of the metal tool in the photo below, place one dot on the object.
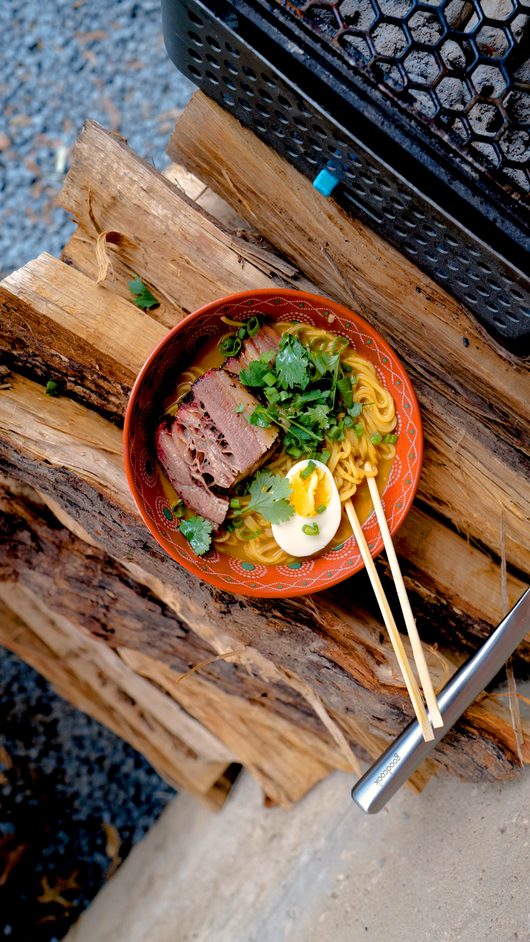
(408, 751)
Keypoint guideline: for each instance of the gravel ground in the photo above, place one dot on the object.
(62, 61)
(74, 799)
(61, 773)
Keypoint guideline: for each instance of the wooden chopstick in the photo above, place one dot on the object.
(395, 637)
(410, 622)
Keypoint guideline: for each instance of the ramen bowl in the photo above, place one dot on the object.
(156, 381)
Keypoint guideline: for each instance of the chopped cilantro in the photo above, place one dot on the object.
(292, 363)
(317, 415)
(344, 387)
(143, 297)
(269, 496)
(198, 532)
(51, 388)
(355, 409)
(255, 375)
(259, 417)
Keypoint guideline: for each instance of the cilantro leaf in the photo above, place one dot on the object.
(344, 387)
(198, 532)
(292, 363)
(355, 410)
(255, 375)
(326, 362)
(143, 297)
(317, 415)
(269, 496)
(259, 417)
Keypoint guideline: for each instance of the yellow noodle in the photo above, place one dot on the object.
(347, 458)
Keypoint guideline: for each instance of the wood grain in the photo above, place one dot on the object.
(185, 256)
(32, 632)
(344, 659)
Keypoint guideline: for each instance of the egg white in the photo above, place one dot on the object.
(290, 536)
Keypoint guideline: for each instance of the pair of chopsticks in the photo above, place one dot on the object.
(395, 637)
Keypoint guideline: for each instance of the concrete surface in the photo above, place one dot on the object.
(449, 865)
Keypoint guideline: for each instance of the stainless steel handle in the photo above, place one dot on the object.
(408, 751)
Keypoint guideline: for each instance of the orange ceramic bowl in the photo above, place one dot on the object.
(155, 382)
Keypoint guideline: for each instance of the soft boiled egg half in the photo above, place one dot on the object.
(317, 508)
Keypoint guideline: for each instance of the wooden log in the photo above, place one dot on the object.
(343, 661)
(97, 694)
(82, 584)
(59, 325)
(157, 231)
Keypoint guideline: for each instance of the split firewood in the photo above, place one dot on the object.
(343, 660)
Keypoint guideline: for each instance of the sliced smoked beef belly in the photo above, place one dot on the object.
(172, 454)
(207, 444)
(266, 339)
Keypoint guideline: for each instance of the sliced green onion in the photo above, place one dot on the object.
(238, 522)
(325, 456)
(348, 421)
(318, 344)
(269, 379)
(230, 526)
(358, 429)
(247, 534)
(253, 325)
(294, 451)
(321, 509)
(272, 394)
(242, 333)
(239, 408)
(235, 503)
(390, 439)
(309, 468)
(342, 340)
(230, 346)
(51, 388)
(376, 439)
(310, 530)
(179, 509)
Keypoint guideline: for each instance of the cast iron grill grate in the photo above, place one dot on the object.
(462, 67)
(442, 230)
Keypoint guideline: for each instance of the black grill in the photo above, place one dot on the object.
(293, 74)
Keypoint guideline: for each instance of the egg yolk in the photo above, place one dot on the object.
(310, 494)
